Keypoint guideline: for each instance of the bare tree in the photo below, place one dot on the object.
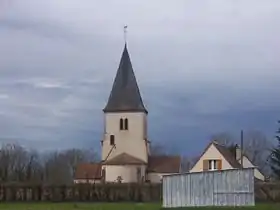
(18, 164)
(158, 149)
(13, 162)
(257, 148)
(60, 166)
(76, 156)
(224, 138)
(187, 163)
(35, 168)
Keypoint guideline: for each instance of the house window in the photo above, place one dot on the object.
(125, 124)
(121, 124)
(212, 165)
(112, 140)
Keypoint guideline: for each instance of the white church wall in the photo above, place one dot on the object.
(128, 173)
(131, 141)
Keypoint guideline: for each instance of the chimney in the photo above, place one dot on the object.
(238, 153)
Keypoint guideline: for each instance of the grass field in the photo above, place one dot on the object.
(113, 206)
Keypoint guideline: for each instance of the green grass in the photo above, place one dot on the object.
(113, 206)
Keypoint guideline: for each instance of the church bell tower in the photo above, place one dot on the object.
(125, 116)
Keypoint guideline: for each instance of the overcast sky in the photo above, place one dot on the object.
(203, 67)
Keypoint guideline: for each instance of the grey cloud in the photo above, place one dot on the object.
(201, 67)
(39, 28)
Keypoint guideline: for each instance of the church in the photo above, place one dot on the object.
(125, 147)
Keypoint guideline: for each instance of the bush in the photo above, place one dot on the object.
(82, 192)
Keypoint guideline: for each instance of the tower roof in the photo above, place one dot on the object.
(125, 95)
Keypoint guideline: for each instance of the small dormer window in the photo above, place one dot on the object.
(212, 165)
(126, 124)
(112, 140)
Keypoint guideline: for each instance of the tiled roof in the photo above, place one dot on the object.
(227, 155)
(125, 94)
(164, 164)
(124, 159)
(88, 171)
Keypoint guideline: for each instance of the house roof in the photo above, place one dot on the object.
(125, 95)
(164, 164)
(88, 171)
(226, 153)
(124, 159)
(260, 170)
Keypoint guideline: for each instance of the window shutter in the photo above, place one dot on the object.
(205, 165)
(219, 164)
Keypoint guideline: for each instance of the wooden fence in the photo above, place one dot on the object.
(265, 192)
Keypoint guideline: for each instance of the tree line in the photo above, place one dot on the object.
(18, 164)
(263, 152)
(274, 158)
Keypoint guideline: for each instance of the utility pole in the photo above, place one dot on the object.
(241, 148)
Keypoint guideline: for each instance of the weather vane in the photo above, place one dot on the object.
(125, 33)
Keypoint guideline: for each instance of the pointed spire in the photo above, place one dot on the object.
(125, 95)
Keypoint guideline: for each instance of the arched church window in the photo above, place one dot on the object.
(112, 140)
(121, 124)
(126, 124)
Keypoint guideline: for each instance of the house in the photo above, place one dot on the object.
(88, 173)
(219, 157)
(125, 147)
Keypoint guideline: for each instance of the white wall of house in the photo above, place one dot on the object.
(128, 173)
(248, 164)
(211, 154)
(131, 141)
